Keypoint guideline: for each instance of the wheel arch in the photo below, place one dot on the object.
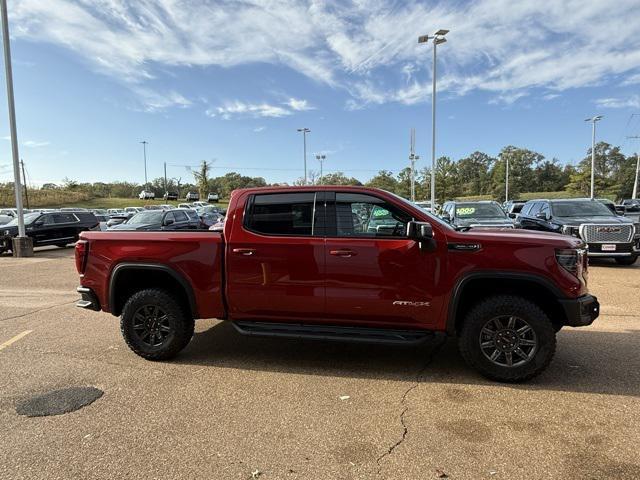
(124, 278)
(476, 286)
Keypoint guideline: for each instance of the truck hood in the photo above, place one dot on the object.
(129, 227)
(484, 222)
(519, 236)
(576, 221)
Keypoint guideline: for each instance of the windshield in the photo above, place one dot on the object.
(479, 210)
(29, 218)
(150, 216)
(580, 209)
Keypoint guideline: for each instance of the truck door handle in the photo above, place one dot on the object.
(244, 251)
(342, 253)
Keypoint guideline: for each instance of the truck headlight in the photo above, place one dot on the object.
(572, 260)
(570, 230)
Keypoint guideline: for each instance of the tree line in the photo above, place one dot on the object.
(478, 174)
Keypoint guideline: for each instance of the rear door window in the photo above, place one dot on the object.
(283, 214)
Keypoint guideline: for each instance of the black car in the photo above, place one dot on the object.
(56, 228)
(177, 219)
(486, 214)
(606, 233)
(631, 204)
(170, 196)
(513, 207)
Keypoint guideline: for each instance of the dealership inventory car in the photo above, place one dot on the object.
(426, 205)
(147, 195)
(161, 220)
(5, 219)
(343, 263)
(212, 197)
(57, 228)
(192, 196)
(513, 207)
(170, 196)
(606, 233)
(631, 204)
(465, 215)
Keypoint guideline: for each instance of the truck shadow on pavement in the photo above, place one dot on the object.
(586, 361)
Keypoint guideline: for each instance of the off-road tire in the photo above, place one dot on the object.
(626, 260)
(507, 305)
(178, 320)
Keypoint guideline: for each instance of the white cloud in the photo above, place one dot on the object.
(368, 47)
(34, 144)
(259, 129)
(299, 105)
(242, 109)
(632, 101)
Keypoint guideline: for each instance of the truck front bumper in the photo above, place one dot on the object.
(581, 311)
(89, 299)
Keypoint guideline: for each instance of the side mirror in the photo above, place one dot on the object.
(420, 231)
(168, 222)
(446, 217)
(512, 215)
(542, 216)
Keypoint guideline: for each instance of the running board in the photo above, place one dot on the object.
(333, 332)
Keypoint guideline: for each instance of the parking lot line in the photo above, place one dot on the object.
(15, 339)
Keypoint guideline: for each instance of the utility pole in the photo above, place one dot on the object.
(22, 246)
(165, 178)
(593, 121)
(437, 38)
(635, 181)
(304, 131)
(24, 182)
(144, 152)
(506, 180)
(412, 162)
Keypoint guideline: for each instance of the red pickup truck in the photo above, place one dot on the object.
(343, 263)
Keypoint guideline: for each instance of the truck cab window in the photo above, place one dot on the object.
(359, 215)
(282, 214)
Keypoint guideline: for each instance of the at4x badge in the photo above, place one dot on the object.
(407, 303)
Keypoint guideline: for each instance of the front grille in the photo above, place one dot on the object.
(606, 233)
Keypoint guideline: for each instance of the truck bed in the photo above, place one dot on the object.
(196, 258)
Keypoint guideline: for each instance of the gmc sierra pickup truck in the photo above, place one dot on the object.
(343, 263)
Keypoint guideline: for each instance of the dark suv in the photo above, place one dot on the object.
(607, 234)
(177, 219)
(55, 228)
(465, 215)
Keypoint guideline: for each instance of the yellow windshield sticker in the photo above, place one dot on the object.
(462, 211)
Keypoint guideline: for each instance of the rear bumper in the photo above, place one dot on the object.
(581, 311)
(89, 299)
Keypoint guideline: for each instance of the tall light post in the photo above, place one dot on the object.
(321, 158)
(506, 180)
(22, 245)
(144, 152)
(635, 181)
(437, 39)
(593, 121)
(412, 163)
(304, 131)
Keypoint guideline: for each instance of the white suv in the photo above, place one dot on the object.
(212, 197)
(147, 195)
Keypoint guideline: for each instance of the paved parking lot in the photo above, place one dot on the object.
(237, 407)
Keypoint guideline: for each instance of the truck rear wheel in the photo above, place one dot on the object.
(155, 325)
(507, 338)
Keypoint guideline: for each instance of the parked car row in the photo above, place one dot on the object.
(191, 196)
(609, 230)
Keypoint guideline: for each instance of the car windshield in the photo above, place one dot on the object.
(479, 210)
(425, 212)
(29, 218)
(150, 216)
(580, 209)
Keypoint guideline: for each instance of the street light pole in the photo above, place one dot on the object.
(635, 181)
(22, 246)
(144, 152)
(321, 159)
(506, 181)
(437, 39)
(412, 164)
(304, 131)
(593, 121)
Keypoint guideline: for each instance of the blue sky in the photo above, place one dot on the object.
(232, 81)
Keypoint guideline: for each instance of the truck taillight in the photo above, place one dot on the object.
(572, 260)
(82, 251)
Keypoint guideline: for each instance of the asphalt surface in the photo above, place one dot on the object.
(241, 408)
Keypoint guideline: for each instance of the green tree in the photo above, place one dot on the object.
(613, 173)
(446, 179)
(474, 173)
(339, 178)
(521, 164)
(384, 180)
(202, 178)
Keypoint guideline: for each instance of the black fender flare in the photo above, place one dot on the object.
(157, 267)
(452, 311)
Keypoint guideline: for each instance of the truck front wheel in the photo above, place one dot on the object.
(507, 338)
(155, 325)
